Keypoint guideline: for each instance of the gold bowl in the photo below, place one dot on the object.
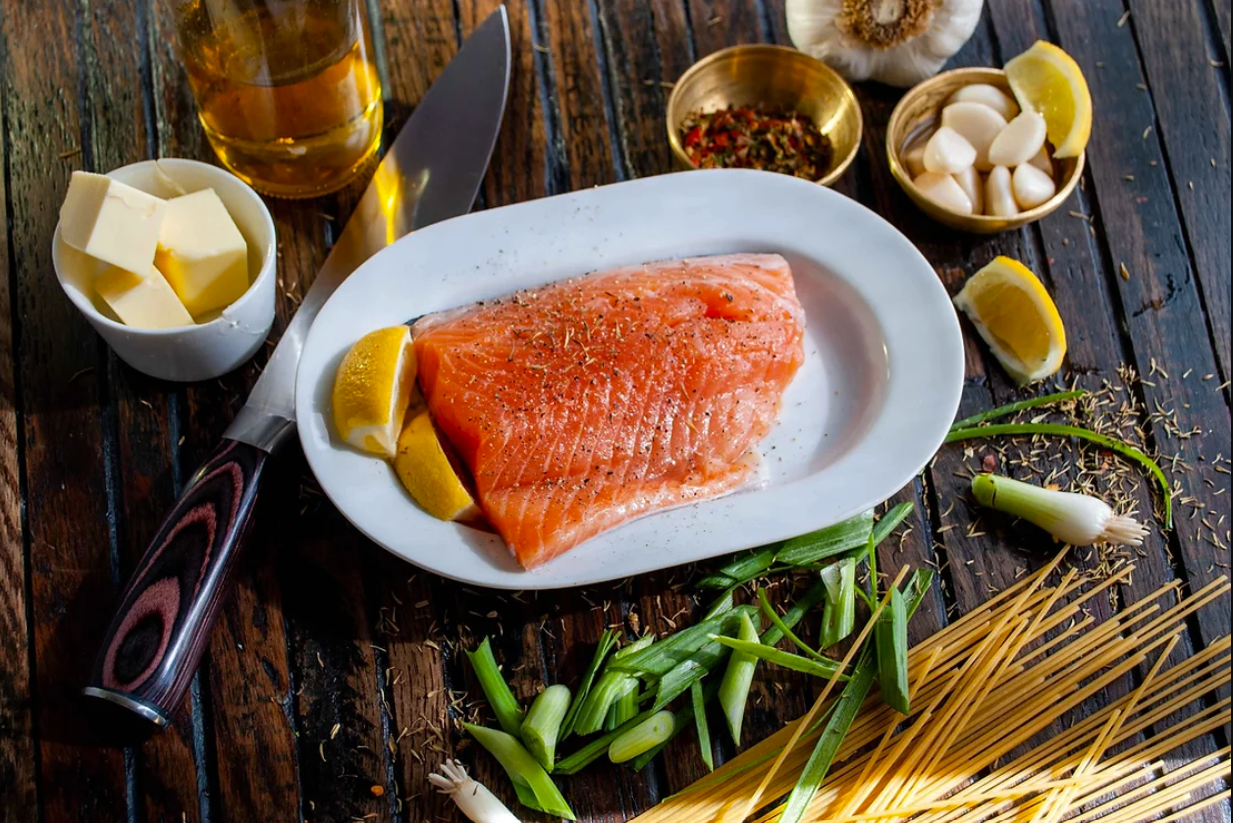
(774, 76)
(920, 108)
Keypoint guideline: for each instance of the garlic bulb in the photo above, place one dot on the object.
(899, 42)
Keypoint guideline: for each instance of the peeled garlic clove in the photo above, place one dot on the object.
(988, 95)
(969, 180)
(978, 124)
(948, 152)
(1042, 160)
(999, 196)
(945, 191)
(1019, 142)
(914, 159)
(1031, 186)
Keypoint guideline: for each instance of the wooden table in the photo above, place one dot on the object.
(327, 688)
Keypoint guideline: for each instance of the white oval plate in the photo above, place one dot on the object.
(878, 389)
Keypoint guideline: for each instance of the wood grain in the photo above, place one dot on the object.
(17, 742)
(59, 363)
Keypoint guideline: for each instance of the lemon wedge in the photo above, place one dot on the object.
(1016, 317)
(1047, 80)
(372, 388)
(429, 472)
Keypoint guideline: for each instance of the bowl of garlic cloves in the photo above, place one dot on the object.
(962, 148)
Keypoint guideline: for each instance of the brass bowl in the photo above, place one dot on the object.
(920, 108)
(774, 76)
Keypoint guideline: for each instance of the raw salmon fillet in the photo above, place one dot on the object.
(592, 401)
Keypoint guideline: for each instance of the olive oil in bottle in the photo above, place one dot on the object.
(287, 90)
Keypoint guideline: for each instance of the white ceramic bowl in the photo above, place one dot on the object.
(205, 350)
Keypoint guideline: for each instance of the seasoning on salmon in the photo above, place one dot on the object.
(590, 402)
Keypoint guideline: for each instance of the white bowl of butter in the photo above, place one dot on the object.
(218, 338)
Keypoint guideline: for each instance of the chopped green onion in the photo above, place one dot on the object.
(819, 763)
(607, 641)
(784, 628)
(1125, 449)
(612, 685)
(723, 603)
(704, 731)
(916, 587)
(741, 570)
(795, 613)
(828, 542)
(891, 638)
(624, 709)
(642, 738)
(839, 613)
(1078, 519)
(523, 771)
(1012, 408)
(734, 690)
(542, 725)
(668, 653)
(500, 698)
(680, 720)
(890, 521)
(595, 749)
(824, 668)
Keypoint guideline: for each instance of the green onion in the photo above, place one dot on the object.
(1012, 408)
(624, 709)
(500, 698)
(890, 521)
(542, 725)
(1078, 519)
(723, 603)
(844, 711)
(839, 613)
(1125, 449)
(891, 637)
(606, 642)
(734, 690)
(595, 749)
(741, 570)
(795, 613)
(828, 542)
(670, 652)
(680, 721)
(641, 738)
(522, 769)
(704, 731)
(784, 629)
(819, 763)
(612, 685)
(824, 668)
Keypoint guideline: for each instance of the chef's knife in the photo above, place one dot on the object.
(431, 172)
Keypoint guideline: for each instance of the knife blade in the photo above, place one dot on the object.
(431, 172)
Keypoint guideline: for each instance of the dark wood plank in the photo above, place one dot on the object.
(58, 367)
(1158, 297)
(1192, 112)
(252, 752)
(17, 746)
(140, 407)
(1222, 14)
(646, 50)
(717, 24)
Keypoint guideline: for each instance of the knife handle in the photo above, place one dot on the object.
(163, 621)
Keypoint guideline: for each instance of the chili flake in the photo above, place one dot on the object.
(751, 137)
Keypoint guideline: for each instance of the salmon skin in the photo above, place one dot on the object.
(589, 402)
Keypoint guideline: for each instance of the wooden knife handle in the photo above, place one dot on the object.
(164, 617)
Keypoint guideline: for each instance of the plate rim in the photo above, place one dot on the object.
(946, 397)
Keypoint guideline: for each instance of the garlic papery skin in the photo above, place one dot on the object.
(473, 798)
(898, 42)
(999, 195)
(1077, 519)
(947, 152)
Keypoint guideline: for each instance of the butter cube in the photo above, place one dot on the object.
(202, 253)
(146, 302)
(111, 221)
